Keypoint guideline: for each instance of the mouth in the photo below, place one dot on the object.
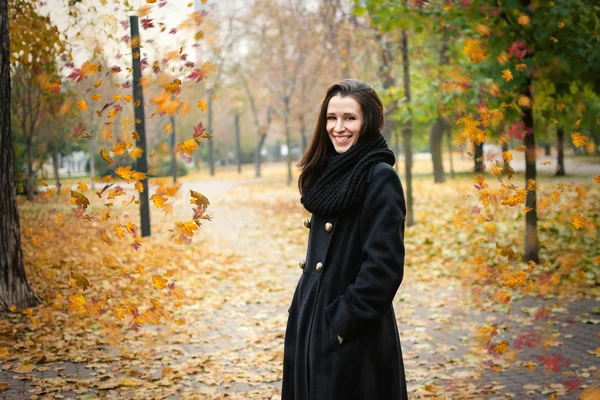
(341, 139)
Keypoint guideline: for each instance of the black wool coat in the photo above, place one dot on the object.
(353, 268)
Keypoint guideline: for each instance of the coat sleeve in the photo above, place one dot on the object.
(382, 234)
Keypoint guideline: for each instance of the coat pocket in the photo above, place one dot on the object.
(333, 344)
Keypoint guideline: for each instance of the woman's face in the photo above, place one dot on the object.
(344, 120)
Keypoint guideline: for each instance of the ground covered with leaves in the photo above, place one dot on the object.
(200, 312)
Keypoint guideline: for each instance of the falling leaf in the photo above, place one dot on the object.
(119, 148)
(104, 236)
(186, 228)
(80, 280)
(199, 199)
(159, 282)
(159, 200)
(187, 147)
(578, 139)
(105, 156)
(98, 83)
(518, 198)
(80, 199)
(521, 147)
(82, 105)
(561, 25)
(501, 348)
(77, 304)
(136, 153)
(82, 187)
(202, 105)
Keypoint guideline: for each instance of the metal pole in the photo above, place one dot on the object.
(140, 127)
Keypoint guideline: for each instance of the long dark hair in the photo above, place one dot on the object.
(315, 157)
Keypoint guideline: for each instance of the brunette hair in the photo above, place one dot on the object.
(315, 157)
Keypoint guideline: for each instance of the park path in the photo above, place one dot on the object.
(232, 346)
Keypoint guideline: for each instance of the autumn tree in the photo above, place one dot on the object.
(14, 288)
(35, 47)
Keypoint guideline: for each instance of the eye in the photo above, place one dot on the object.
(330, 117)
(350, 118)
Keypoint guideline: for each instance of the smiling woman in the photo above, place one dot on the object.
(342, 339)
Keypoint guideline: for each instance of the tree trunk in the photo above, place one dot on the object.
(450, 149)
(140, 127)
(211, 143)
(303, 133)
(407, 131)
(55, 169)
(546, 149)
(560, 147)
(259, 147)
(435, 141)
(14, 288)
(30, 178)
(238, 145)
(478, 158)
(286, 120)
(531, 235)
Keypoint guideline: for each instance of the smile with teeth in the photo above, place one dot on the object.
(341, 139)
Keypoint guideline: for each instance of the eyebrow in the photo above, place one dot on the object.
(353, 114)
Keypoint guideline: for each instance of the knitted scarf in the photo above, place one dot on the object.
(342, 185)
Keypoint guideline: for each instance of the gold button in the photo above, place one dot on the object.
(302, 264)
(328, 227)
(319, 266)
(307, 223)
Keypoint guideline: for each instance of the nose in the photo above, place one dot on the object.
(339, 125)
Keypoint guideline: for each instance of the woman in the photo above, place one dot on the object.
(342, 339)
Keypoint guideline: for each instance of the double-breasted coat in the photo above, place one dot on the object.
(353, 267)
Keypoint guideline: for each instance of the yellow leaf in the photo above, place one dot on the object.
(555, 197)
(82, 105)
(578, 221)
(579, 140)
(518, 198)
(96, 97)
(98, 83)
(159, 282)
(82, 187)
(187, 147)
(152, 153)
(501, 348)
(521, 147)
(128, 98)
(576, 124)
(507, 75)
(507, 156)
(199, 199)
(186, 228)
(105, 156)
(105, 237)
(80, 199)
(561, 25)
(202, 105)
(180, 321)
(159, 200)
(119, 148)
(530, 366)
(459, 220)
(136, 153)
(517, 280)
(77, 304)
(80, 280)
